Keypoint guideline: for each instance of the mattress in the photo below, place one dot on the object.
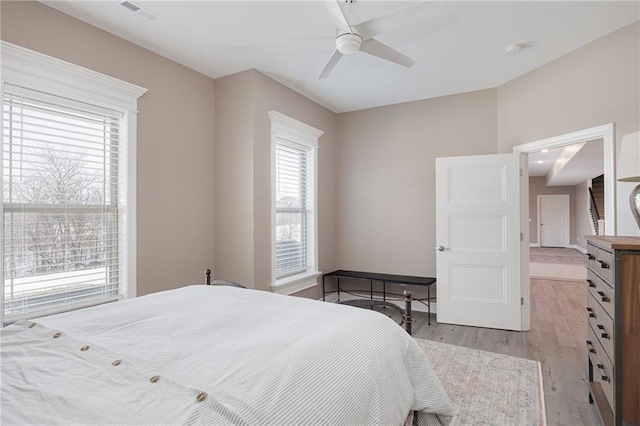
(217, 355)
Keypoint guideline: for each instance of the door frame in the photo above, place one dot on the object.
(605, 132)
(566, 238)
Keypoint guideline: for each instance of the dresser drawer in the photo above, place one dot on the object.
(602, 367)
(592, 257)
(603, 370)
(602, 325)
(604, 266)
(602, 292)
(595, 348)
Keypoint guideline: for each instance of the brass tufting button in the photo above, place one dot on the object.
(201, 396)
(116, 363)
(154, 379)
(58, 334)
(84, 348)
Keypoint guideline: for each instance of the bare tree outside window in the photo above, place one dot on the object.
(56, 242)
(59, 200)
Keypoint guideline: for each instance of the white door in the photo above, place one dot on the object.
(478, 241)
(553, 217)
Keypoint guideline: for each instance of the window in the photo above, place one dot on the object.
(294, 214)
(294, 198)
(67, 216)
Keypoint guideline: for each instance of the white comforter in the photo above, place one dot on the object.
(218, 355)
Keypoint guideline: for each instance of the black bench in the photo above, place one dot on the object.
(384, 279)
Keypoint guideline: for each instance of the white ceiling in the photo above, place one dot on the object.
(540, 162)
(569, 165)
(457, 51)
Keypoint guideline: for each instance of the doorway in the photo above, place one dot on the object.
(604, 133)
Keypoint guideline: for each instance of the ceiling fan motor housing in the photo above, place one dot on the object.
(348, 43)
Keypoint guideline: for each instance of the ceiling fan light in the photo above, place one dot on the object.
(348, 43)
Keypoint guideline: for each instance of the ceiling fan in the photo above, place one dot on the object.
(360, 37)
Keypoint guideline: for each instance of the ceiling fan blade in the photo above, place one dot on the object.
(290, 39)
(381, 50)
(337, 14)
(404, 17)
(331, 63)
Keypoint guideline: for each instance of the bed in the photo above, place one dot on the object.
(217, 355)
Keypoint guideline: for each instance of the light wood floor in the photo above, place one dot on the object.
(556, 339)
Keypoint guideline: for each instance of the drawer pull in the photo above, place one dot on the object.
(600, 326)
(591, 350)
(606, 378)
(600, 366)
(591, 284)
(590, 256)
(605, 335)
(603, 264)
(604, 298)
(591, 314)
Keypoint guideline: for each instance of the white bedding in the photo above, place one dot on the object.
(253, 357)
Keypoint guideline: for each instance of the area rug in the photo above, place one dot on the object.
(552, 255)
(486, 388)
(557, 264)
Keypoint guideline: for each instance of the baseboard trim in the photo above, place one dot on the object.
(573, 246)
(579, 248)
(415, 306)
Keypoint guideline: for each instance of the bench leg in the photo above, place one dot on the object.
(429, 302)
(407, 311)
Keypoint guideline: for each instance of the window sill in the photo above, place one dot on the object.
(296, 283)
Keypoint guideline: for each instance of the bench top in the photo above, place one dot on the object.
(387, 278)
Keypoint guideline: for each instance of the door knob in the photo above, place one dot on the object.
(440, 248)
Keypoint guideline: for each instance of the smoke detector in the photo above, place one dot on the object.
(513, 49)
(139, 10)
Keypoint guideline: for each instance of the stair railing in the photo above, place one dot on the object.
(594, 215)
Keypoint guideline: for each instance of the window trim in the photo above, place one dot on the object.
(34, 70)
(287, 128)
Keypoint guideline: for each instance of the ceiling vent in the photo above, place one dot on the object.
(139, 10)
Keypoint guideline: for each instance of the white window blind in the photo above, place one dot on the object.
(61, 227)
(294, 165)
(294, 207)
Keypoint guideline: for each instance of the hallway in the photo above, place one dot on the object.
(557, 264)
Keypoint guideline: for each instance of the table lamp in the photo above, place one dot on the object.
(629, 169)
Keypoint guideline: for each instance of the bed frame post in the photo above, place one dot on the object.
(207, 277)
(406, 316)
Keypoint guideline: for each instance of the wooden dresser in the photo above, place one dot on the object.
(613, 308)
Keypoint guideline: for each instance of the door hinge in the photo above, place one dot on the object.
(521, 237)
(522, 301)
(521, 172)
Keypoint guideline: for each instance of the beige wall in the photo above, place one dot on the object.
(386, 174)
(582, 225)
(249, 130)
(233, 167)
(594, 85)
(376, 166)
(538, 186)
(175, 197)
